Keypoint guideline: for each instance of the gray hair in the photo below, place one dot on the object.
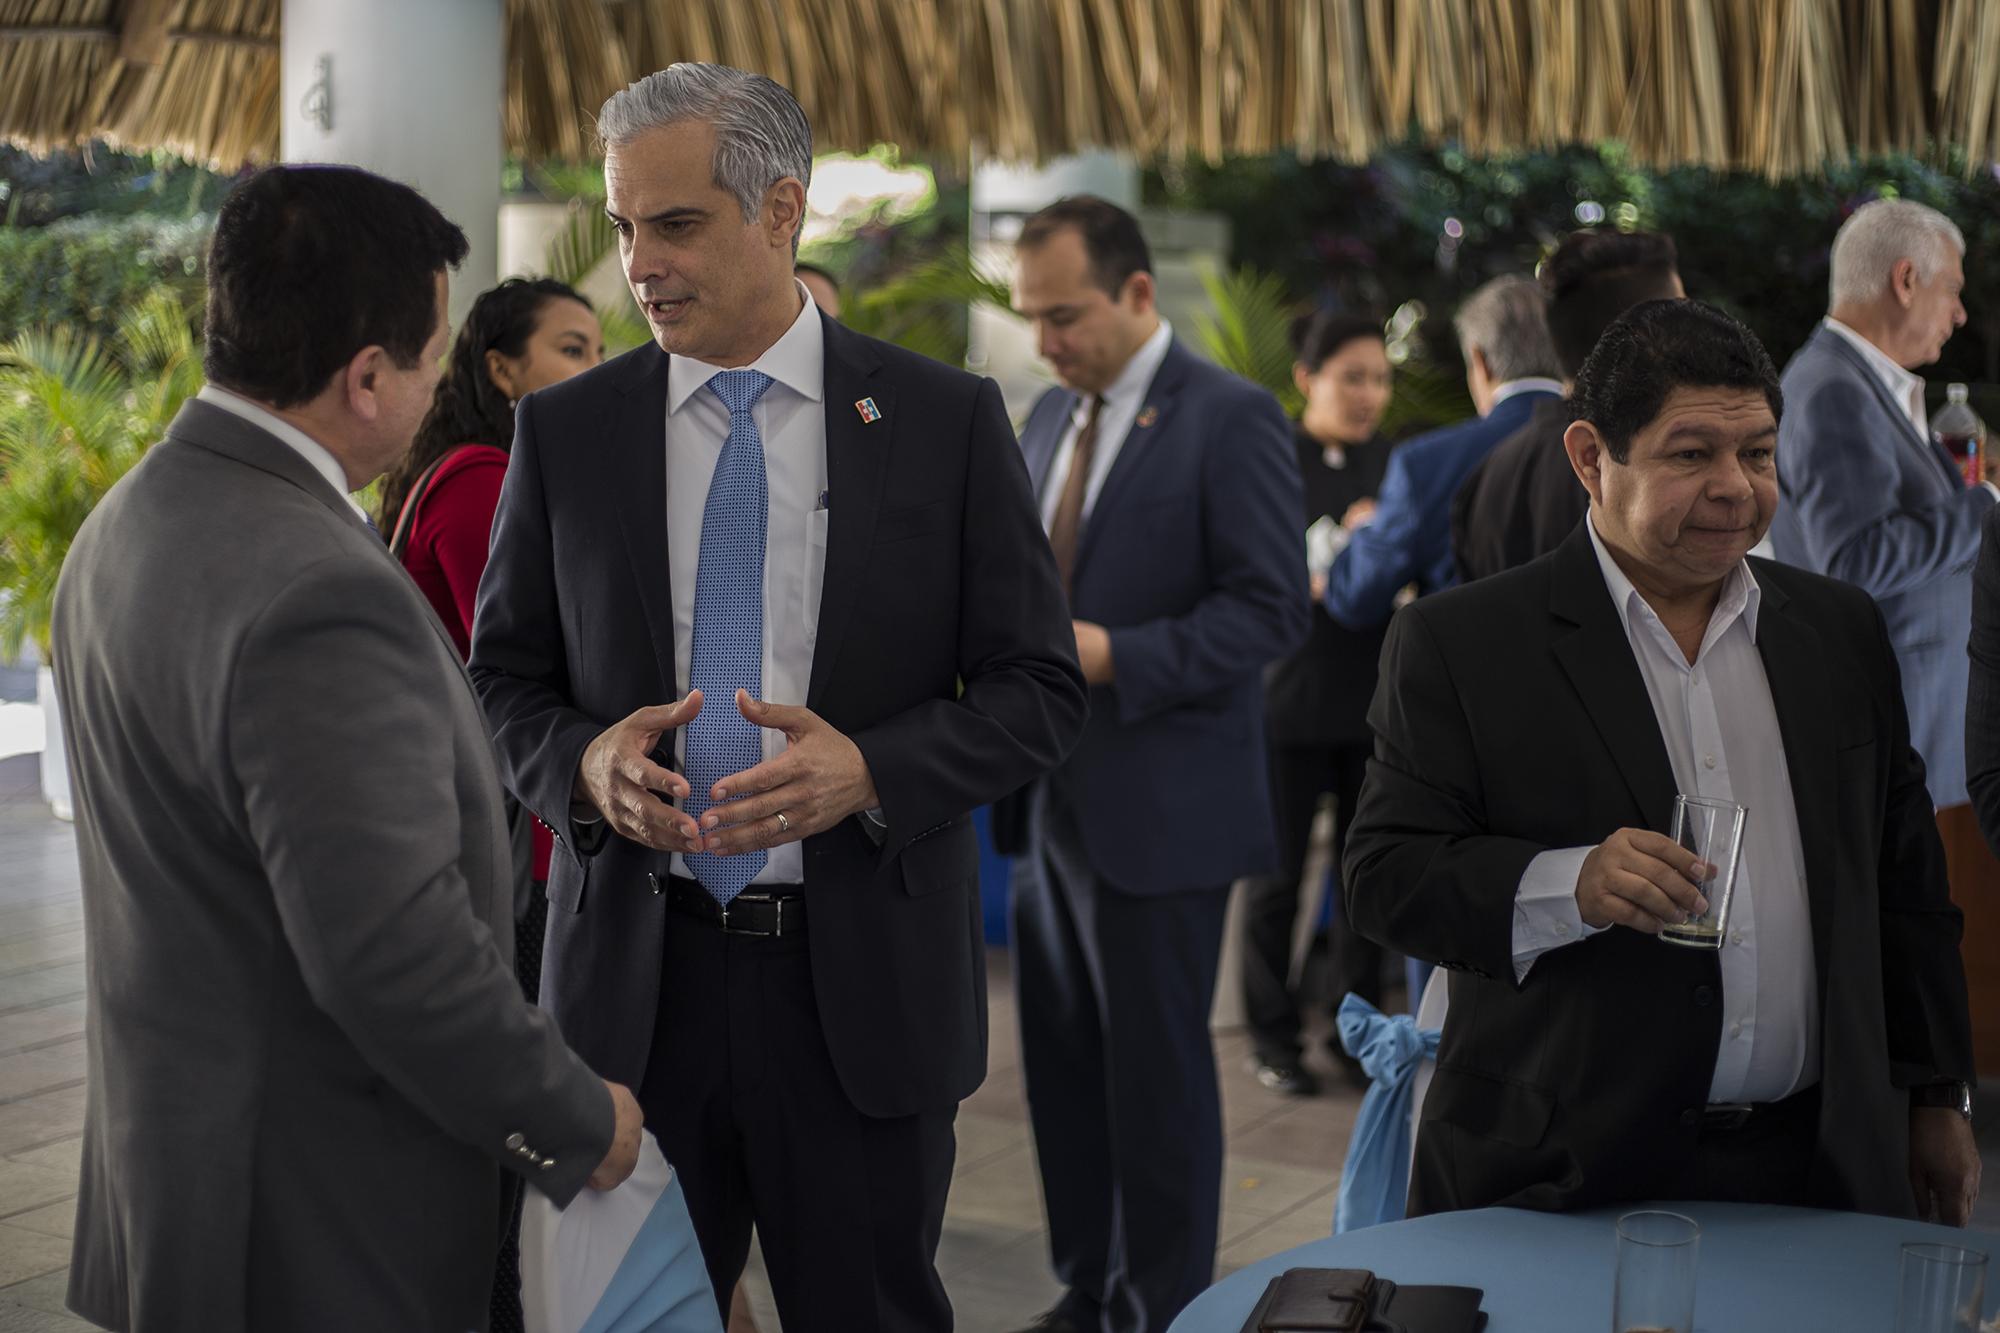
(1508, 320)
(1881, 235)
(761, 133)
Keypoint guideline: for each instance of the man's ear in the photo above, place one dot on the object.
(361, 378)
(1903, 282)
(1139, 289)
(1588, 457)
(785, 204)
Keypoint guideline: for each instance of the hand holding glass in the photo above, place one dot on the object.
(1713, 830)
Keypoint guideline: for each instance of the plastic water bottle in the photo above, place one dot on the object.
(1962, 434)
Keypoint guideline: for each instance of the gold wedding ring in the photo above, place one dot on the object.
(784, 824)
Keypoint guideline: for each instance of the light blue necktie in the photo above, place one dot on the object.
(727, 652)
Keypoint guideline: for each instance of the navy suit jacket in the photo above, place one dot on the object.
(1866, 500)
(944, 652)
(1193, 560)
(1409, 539)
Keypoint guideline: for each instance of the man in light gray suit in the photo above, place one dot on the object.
(1868, 497)
(308, 1055)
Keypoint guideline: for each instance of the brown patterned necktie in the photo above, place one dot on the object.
(1067, 528)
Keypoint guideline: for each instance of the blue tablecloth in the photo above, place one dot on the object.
(1762, 1269)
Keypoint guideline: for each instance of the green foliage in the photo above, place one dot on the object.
(102, 182)
(585, 242)
(923, 308)
(1431, 224)
(1248, 331)
(85, 273)
(75, 415)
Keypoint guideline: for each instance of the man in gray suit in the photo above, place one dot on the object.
(308, 1054)
(1868, 497)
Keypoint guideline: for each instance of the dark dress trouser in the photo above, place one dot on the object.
(1299, 776)
(1114, 991)
(743, 1097)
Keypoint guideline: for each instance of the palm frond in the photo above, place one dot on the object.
(1248, 330)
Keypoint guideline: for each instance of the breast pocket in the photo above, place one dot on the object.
(814, 574)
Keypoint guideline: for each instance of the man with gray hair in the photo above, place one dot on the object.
(1510, 366)
(769, 612)
(1868, 496)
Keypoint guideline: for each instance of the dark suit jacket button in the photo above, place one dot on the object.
(1704, 996)
(1690, 1118)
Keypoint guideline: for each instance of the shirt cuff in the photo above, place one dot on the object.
(1991, 489)
(1545, 911)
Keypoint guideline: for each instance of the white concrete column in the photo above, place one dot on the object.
(409, 89)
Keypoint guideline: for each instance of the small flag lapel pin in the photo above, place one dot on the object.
(1147, 416)
(869, 412)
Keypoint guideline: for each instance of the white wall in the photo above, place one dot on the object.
(416, 96)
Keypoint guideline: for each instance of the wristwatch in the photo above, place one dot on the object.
(1948, 1093)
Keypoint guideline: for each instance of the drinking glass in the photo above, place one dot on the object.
(1656, 1264)
(1713, 830)
(1943, 1289)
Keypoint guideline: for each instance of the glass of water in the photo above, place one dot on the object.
(1713, 830)
(1657, 1254)
(1943, 1289)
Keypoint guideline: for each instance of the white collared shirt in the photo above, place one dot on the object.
(1720, 727)
(1123, 401)
(1529, 384)
(304, 445)
(1905, 386)
(791, 418)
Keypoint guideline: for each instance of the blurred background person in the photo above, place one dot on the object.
(437, 509)
(1510, 367)
(1524, 500)
(822, 286)
(1868, 496)
(1316, 700)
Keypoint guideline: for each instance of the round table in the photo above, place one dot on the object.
(1760, 1268)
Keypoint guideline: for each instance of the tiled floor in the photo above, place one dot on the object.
(1284, 1155)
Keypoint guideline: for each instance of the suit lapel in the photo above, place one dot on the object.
(857, 464)
(1154, 415)
(637, 459)
(1597, 657)
(1794, 654)
(1857, 363)
(1043, 435)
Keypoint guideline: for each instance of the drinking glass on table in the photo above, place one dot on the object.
(1943, 1289)
(1654, 1293)
(1713, 830)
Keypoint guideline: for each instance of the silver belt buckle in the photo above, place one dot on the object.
(728, 929)
(1727, 1115)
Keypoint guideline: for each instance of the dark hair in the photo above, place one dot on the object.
(469, 407)
(1595, 276)
(311, 264)
(1655, 348)
(1111, 237)
(1317, 336)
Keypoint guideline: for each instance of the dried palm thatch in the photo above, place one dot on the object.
(1778, 86)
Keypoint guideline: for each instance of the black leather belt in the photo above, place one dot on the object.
(1728, 1117)
(751, 912)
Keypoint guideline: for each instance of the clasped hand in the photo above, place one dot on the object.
(819, 780)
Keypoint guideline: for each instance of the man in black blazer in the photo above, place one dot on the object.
(1532, 731)
(1523, 500)
(768, 613)
(1172, 503)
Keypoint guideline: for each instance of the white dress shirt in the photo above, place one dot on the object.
(1515, 388)
(1123, 401)
(304, 445)
(1721, 732)
(791, 418)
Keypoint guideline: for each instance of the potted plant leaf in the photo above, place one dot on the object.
(75, 415)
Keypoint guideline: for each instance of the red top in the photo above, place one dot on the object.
(446, 554)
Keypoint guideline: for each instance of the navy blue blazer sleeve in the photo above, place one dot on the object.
(1982, 704)
(1383, 556)
(1842, 488)
(1022, 701)
(518, 663)
(1258, 607)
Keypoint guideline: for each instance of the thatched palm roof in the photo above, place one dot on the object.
(1777, 86)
